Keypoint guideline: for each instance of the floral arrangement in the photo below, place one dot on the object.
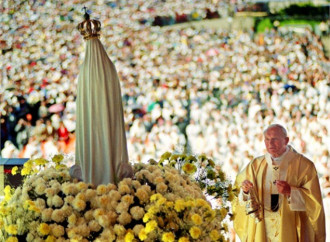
(161, 203)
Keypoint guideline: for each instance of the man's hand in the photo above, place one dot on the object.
(283, 187)
(246, 186)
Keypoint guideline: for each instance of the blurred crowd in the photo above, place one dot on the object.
(196, 90)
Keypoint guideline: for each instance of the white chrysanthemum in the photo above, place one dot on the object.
(46, 214)
(90, 193)
(137, 212)
(124, 218)
(161, 188)
(94, 202)
(40, 203)
(57, 230)
(108, 235)
(26, 189)
(159, 179)
(69, 189)
(101, 189)
(128, 199)
(98, 212)
(104, 200)
(58, 215)
(72, 220)
(94, 226)
(67, 210)
(82, 186)
(40, 189)
(30, 237)
(142, 195)
(83, 230)
(37, 181)
(79, 204)
(122, 207)
(119, 230)
(137, 228)
(136, 184)
(69, 199)
(57, 201)
(127, 181)
(103, 221)
(81, 196)
(115, 195)
(124, 189)
(89, 215)
(111, 187)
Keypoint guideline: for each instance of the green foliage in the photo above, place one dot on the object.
(267, 23)
(264, 25)
(305, 10)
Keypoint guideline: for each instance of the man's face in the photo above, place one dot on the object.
(275, 141)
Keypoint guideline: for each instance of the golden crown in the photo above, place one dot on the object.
(89, 28)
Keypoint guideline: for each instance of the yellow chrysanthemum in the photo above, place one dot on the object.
(129, 237)
(14, 170)
(231, 196)
(196, 219)
(7, 189)
(146, 217)
(58, 158)
(168, 237)
(179, 205)
(44, 229)
(12, 239)
(8, 194)
(11, 229)
(175, 157)
(143, 234)
(211, 163)
(28, 203)
(223, 212)
(165, 156)
(189, 168)
(169, 204)
(210, 214)
(195, 232)
(28, 164)
(214, 235)
(155, 197)
(34, 209)
(41, 161)
(50, 238)
(191, 158)
(153, 210)
(150, 226)
(60, 166)
(26, 171)
(201, 202)
(3, 211)
(184, 239)
(189, 204)
(161, 201)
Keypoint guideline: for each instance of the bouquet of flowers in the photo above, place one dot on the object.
(161, 203)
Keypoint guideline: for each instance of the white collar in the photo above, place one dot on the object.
(277, 160)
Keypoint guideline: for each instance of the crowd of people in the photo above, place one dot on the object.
(197, 90)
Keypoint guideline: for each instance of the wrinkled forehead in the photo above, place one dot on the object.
(275, 131)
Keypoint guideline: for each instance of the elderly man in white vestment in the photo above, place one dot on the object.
(280, 198)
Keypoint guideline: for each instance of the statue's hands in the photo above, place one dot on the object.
(246, 186)
(283, 187)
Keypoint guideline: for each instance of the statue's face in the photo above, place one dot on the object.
(275, 141)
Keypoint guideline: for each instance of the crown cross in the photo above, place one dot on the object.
(89, 28)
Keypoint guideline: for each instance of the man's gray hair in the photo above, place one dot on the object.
(283, 130)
